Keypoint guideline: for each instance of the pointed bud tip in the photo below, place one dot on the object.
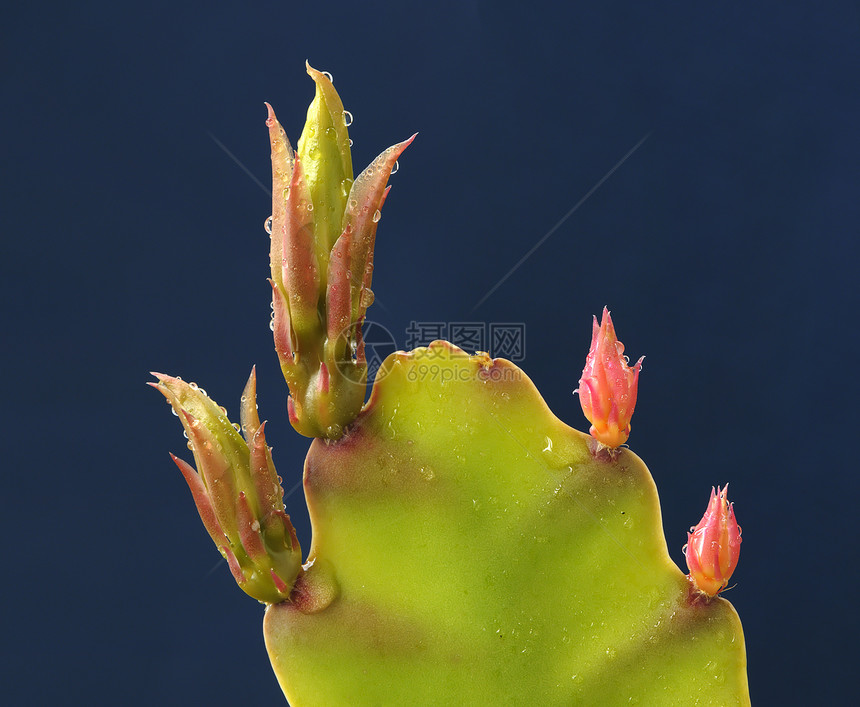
(316, 74)
(260, 434)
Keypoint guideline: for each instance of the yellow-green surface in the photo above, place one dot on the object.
(469, 549)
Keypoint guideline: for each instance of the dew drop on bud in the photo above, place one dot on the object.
(396, 167)
(272, 324)
(236, 427)
(310, 206)
(366, 298)
(350, 142)
(192, 385)
(376, 216)
(328, 76)
(353, 203)
(347, 118)
(268, 225)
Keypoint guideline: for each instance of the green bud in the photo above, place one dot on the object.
(237, 490)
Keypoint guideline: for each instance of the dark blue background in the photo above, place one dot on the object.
(726, 246)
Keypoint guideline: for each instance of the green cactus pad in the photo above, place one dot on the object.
(471, 548)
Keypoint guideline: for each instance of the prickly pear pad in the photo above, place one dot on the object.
(469, 548)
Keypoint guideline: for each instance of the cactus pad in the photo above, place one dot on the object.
(471, 548)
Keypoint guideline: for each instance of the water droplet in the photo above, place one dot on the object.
(202, 392)
(396, 167)
(366, 298)
(192, 385)
(353, 203)
(327, 75)
(310, 206)
(376, 216)
(173, 410)
(347, 118)
(268, 225)
(350, 142)
(236, 427)
(272, 324)
(255, 526)
(330, 132)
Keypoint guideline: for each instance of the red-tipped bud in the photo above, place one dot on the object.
(236, 489)
(607, 389)
(714, 545)
(323, 231)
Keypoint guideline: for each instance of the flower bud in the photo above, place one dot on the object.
(607, 389)
(237, 490)
(713, 545)
(323, 229)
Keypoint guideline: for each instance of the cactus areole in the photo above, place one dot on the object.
(469, 548)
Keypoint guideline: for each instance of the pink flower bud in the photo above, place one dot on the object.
(714, 545)
(607, 389)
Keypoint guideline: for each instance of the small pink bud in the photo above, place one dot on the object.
(714, 545)
(607, 389)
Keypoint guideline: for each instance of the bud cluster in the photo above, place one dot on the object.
(236, 489)
(323, 229)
